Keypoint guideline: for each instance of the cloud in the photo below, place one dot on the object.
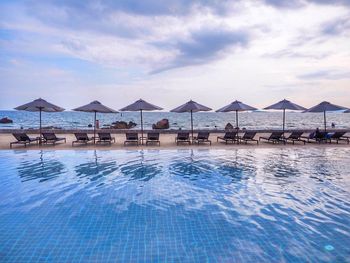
(301, 3)
(137, 7)
(336, 27)
(125, 18)
(106, 44)
(289, 53)
(326, 74)
(204, 46)
(330, 2)
(88, 16)
(73, 45)
(284, 3)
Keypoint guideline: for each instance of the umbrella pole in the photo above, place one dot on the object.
(40, 126)
(325, 122)
(141, 128)
(95, 129)
(192, 124)
(237, 127)
(284, 119)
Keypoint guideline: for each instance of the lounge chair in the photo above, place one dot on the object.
(183, 137)
(153, 137)
(312, 137)
(50, 137)
(202, 137)
(132, 137)
(82, 137)
(275, 137)
(228, 137)
(347, 138)
(105, 137)
(248, 137)
(338, 136)
(23, 138)
(295, 136)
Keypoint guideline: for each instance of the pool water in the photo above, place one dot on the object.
(235, 205)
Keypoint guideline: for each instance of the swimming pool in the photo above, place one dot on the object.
(243, 205)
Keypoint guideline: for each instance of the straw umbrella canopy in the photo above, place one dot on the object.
(191, 106)
(324, 107)
(285, 105)
(95, 107)
(40, 105)
(141, 105)
(236, 106)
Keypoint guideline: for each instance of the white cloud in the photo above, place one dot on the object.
(213, 54)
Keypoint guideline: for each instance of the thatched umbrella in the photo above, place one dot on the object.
(40, 105)
(95, 107)
(141, 105)
(191, 106)
(236, 106)
(324, 107)
(285, 105)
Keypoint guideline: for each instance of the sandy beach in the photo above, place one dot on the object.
(167, 141)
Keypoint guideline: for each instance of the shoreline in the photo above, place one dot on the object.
(167, 141)
(161, 131)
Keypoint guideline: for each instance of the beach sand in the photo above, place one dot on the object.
(167, 141)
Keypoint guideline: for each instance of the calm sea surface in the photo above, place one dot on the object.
(249, 120)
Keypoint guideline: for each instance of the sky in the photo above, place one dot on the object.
(167, 52)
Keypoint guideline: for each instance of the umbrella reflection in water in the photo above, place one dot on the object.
(43, 169)
(190, 168)
(282, 168)
(236, 168)
(141, 169)
(96, 169)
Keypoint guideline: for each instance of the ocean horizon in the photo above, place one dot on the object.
(201, 120)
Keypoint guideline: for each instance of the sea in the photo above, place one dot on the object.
(201, 120)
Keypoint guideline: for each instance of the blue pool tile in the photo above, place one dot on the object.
(245, 205)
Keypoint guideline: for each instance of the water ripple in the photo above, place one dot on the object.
(286, 205)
